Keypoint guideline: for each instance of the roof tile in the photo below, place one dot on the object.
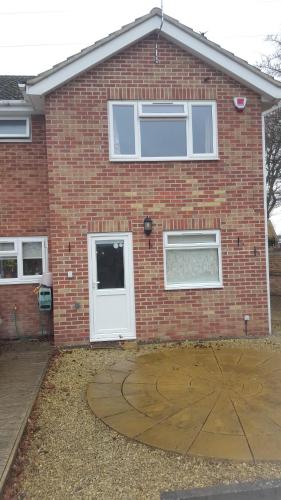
(9, 89)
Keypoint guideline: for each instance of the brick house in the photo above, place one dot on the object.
(139, 129)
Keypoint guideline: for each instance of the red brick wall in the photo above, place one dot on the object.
(19, 313)
(90, 194)
(24, 211)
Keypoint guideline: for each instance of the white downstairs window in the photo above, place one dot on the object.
(23, 260)
(152, 131)
(192, 259)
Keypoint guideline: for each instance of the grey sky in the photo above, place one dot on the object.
(36, 35)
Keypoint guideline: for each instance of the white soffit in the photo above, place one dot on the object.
(193, 44)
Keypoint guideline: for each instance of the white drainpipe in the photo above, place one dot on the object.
(265, 211)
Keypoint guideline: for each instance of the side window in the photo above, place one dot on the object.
(202, 129)
(123, 129)
(192, 259)
(14, 128)
(22, 260)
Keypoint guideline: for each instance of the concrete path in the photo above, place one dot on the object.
(219, 403)
(258, 490)
(22, 367)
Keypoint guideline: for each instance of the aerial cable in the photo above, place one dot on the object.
(156, 60)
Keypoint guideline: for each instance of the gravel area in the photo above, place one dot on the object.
(69, 453)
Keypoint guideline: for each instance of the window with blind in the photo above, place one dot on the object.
(192, 259)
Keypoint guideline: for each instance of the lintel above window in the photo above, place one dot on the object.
(23, 260)
(14, 128)
(154, 130)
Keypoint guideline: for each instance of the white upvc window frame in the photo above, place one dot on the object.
(184, 246)
(139, 114)
(17, 252)
(17, 137)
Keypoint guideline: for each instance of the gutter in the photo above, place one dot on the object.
(28, 105)
(15, 107)
(273, 108)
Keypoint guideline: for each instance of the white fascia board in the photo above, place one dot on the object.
(221, 61)
(94, 57)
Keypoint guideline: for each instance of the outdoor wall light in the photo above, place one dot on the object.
(147, 226)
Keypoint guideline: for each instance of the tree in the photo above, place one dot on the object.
(273, 159)
(271, 64)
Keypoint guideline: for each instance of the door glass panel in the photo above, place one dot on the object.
(110, 264)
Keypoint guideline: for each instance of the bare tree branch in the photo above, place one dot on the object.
(273, 159)
(271, 64)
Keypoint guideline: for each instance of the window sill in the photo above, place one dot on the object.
(20, 281)
(164, 159)
(193, 287)
(7, 139)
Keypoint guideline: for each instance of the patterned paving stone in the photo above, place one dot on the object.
(219, 403)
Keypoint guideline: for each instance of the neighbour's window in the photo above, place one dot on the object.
(14, 128)
(192, 259)
(162, 130)
(22, 260)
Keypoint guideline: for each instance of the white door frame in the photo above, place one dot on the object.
(129, 269)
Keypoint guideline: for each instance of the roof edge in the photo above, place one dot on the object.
(154, 12)
(172, 29)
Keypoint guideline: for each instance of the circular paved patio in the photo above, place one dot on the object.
(220, 403)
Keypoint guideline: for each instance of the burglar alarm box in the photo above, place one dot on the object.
(45, 298)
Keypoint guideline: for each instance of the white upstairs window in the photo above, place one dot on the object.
(192, 259)
(152, 131)
(14, 128)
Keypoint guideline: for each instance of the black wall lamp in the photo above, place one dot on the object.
(147, 226)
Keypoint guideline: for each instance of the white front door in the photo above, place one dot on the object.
(112, 307)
